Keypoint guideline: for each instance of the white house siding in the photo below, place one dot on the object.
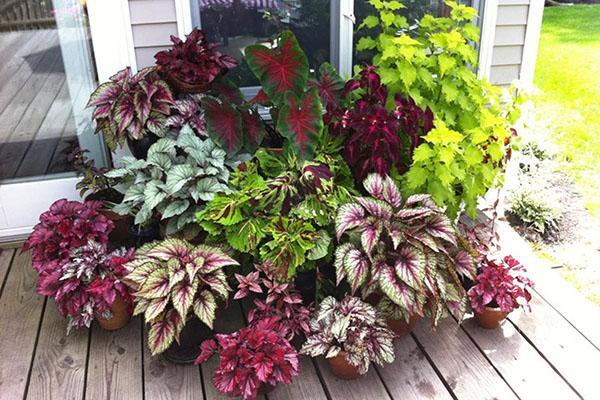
(152, 24)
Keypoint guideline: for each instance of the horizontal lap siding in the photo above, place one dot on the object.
(509, 39)
(152, 24)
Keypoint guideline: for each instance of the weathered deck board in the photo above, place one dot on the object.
(20, 313)
(466, 371)
(368, 386)
(58, 370)
(6, 256)
(411, 375)
(115, 363)
(573, 356)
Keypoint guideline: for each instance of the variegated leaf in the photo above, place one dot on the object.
(391, 193)
(349, 216)
(214, 258)
(374, 185)
(218, 283)
(440, 226)
(157, 285)
(162, 333)
(465, 264)
(370, 236)
(167, 249)
(140, 305)
(183, 295)
(205, 306)
(421, 237)
(356, 265)
(410, 266)
(377, 208)
(398, 292)
(155, 308)
(396, 233)
(139, 270)
(340, 257)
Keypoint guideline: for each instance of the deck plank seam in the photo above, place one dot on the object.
(142, 357)
(528, 340)
(87, 363)
(387, 390)
(34, 352)
(321, 379)
(10, 264)
(434, 367)
(201, 375)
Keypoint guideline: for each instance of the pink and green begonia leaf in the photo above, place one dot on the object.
(440, 226)
(397, 291)
(214, 258)
(155, 307)
(330, 85)
(340, 258)
(163, 95)
(391, 193)
(413, 213)
(205, 307)
(465, 264)
(370, 235)
(377, 208)
(162, 333)
(374, 185)
(124, 111)
(301, 122)
(122, 76)
(106, 93)
(167, 249)
(349, 216)
(280, 69)
(182, 295)
(356, 265)
(157, 285)
(224, 124)
(410, 266)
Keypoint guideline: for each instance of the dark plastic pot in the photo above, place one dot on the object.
(140, 236)
(188, 349)
(342, 368)
(490, 318)
(306, 283)
(139, 148)
(265, 388)
(120, 233)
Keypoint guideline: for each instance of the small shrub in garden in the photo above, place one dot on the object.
(405, 249)
(282, 300)
(533, 209)
(257, 356)
(350, 328)
(87, 283)
(172, 279)
(64, 227)
(501, 283)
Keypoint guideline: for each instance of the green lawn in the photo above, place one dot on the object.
(568, 76)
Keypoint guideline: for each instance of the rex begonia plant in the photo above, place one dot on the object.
(172, 279)
(187, 111)
(353, 328)
(377, 138)
(65, 226)
(250, 358)
(87, 283)
(404, 249)
(194, 60)
(502, 283)
(282, 300)
(131, 106)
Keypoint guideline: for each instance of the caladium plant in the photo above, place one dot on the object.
(502, 283)
(282, 300)
(405, 249)
(173, 279)
(65, 226)
(86, 284)
(178, 177)
(131, 106)
(353, 328)
(255, 356)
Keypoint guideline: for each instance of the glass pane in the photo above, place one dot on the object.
(46, 76)
(235, 24)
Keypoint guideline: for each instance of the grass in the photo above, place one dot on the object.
(568, 76)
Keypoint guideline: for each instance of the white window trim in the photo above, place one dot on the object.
(532, 40)
(488, 36)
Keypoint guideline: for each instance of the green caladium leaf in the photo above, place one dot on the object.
(280, 69)
(301, 122)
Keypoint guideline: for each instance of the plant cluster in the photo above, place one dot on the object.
(534, 209)
(405, 249)
(193, 60)
(502, 283)
(131, 106)
(282, 300)
(87, 283)
(353, 329)
(253, 357)
(92, 179)
(187, 111)
(177, 177)
(172, 279)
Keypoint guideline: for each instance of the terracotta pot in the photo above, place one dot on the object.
(491, 318)
(402, 328)
(120, 233)
(342, 368)
(184, 87)
(188, 349)
(120, 315)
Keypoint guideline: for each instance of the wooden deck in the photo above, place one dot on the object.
(36, 119)
(542, 355)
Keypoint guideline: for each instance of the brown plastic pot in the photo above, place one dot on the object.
(402, 328)
(342, 368)
(184, 87)
(490, 318)
(265, 388)
(120, 315)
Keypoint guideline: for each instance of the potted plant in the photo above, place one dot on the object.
(133, 108)
(402, 253)
(173, 183)
(253, 360)
(88, 285)
(500, 288)
(192, 65)
(176, 288)
(350, 334)
(281, 300)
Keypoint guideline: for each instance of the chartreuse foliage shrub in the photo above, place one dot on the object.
(434, 63)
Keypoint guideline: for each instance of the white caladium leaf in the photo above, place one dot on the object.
(205, 306)
(156, 286)
(349, 216)
(162, 332)
(183, 295)
(440, 226)
(356, 265)
(374, 185)
(155, 308)
(410, 266)
(377, 208)
(340, 258)
(391, 193)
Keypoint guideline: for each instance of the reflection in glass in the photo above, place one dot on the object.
(235, 24)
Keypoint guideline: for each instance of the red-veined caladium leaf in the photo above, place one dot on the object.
(410, 266)
(162, 332)
(280, 69)
(260, 98)
(183, 294)
(397, 291)
(349, 216)
(253, 129)
(440, 226)
(205, 306)
(330, 85)
(226, 89)
(377, 208)
(465, 264)
(301, 122)
(224, 124)
(356, 265)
